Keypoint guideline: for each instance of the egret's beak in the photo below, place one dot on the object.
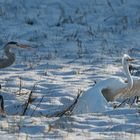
(131, 59)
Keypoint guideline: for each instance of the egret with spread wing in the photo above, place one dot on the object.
(96, 98)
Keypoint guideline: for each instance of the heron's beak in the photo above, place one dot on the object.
(23, 46)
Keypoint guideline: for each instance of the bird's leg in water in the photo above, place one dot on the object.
(1, 103)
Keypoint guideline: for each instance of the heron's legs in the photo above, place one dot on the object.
(1, 103)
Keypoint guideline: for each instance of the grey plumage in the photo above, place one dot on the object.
(6, 62)
(10, 56)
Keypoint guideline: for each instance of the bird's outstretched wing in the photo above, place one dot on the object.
(91, 101)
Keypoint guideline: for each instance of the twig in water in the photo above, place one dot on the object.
(124, 101)
(37, 105)
(129, 101)
(29, 100)
(20, 85)
(69, 109)
(110, 5)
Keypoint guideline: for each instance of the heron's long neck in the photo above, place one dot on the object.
(10, 57)
(128, 75)
(9, 54)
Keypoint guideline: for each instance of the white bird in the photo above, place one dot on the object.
(96, 98)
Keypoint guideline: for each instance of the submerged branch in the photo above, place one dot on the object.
(69, 109)
(129, 101)
(28, 101)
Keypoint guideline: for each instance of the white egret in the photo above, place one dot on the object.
(96, 98)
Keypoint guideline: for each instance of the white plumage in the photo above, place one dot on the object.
(96, 98)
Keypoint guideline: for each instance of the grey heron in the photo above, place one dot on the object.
(10, 56)
(8, 61)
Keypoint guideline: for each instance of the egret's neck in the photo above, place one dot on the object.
(128, 75)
